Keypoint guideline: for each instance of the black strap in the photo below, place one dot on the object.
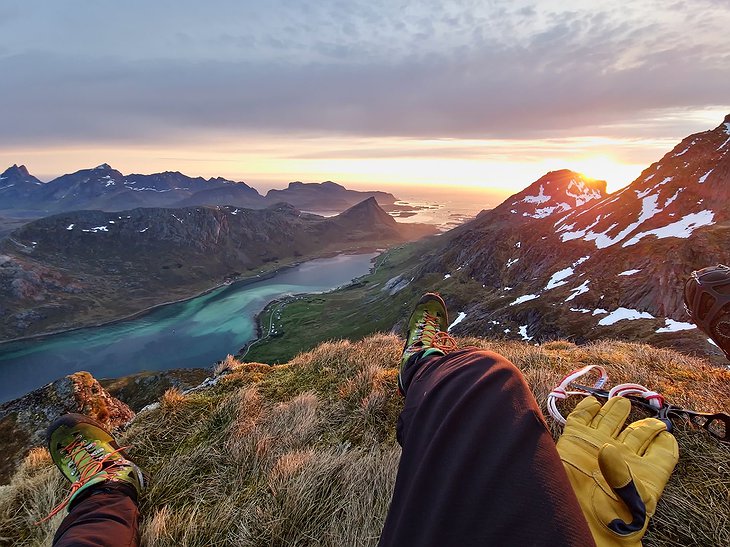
(630, 496)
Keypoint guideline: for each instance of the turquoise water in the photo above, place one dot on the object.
(195, 333)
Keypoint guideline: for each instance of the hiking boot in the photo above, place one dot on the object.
(88, 455)
(707, 300)
(426, 333)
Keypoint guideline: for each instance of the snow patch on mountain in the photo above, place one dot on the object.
(624, 314)
(580, 289)
(582, 194)
(458, 320)
(539, 198)
(523, 333)
(703, 178)
(723, 145)
(673, 198)
(629, 272)
(558, 277)
(151, 189)
(649, 208)
(643, 193)
(683, 228)
(545, 212)
(683, 152)
(524, 298)
(670, 325)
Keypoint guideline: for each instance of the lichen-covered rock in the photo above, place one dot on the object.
(23, 421)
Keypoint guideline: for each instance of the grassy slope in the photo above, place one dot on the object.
(304, 453)
(367, 307)
(353, 312)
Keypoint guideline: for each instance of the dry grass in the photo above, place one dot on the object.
(305, 453)
(227, 365)
(172, 400)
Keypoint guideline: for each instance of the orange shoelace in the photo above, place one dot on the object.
(444, 341)
(79, 449)
(441, 340)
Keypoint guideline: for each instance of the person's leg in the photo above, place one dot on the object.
(107, 516)
(105, 485)
(479, 466)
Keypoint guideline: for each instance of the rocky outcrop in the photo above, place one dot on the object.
(23, 422)
(144, 388)
(325, 196)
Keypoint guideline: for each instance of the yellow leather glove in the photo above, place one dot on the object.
(617, 475)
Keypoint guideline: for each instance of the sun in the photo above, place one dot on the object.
(616, 174)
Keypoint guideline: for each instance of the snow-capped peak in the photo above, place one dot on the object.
(556, 192)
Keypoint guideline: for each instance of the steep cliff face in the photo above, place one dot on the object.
(601, 265)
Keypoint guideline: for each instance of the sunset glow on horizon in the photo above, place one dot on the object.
(500, 167)
(480, 96)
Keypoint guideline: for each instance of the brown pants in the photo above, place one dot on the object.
(106, 516)
(479, 466)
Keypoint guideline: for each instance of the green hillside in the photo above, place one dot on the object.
(304, 453)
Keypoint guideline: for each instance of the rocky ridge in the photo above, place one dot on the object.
(612, 265)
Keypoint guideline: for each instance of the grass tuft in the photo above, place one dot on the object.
(172, 400)
(229, 364)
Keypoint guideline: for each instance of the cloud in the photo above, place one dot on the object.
(352, 68)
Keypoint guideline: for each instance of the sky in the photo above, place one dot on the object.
(481, 94)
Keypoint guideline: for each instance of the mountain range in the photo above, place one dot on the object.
(563, 259)
(106, 189)
(85, 267)
(560, 259)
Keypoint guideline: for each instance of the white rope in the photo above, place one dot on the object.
(562, 391)
(652, 397)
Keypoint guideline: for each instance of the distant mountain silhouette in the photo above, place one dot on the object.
(104, 188)
(325, 195)
(17, 186)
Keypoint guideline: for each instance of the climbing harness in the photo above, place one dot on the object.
(716, 424)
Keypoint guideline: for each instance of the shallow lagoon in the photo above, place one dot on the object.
(194, 333)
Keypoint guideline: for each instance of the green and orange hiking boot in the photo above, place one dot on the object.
(427, 333)
(88, 455)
